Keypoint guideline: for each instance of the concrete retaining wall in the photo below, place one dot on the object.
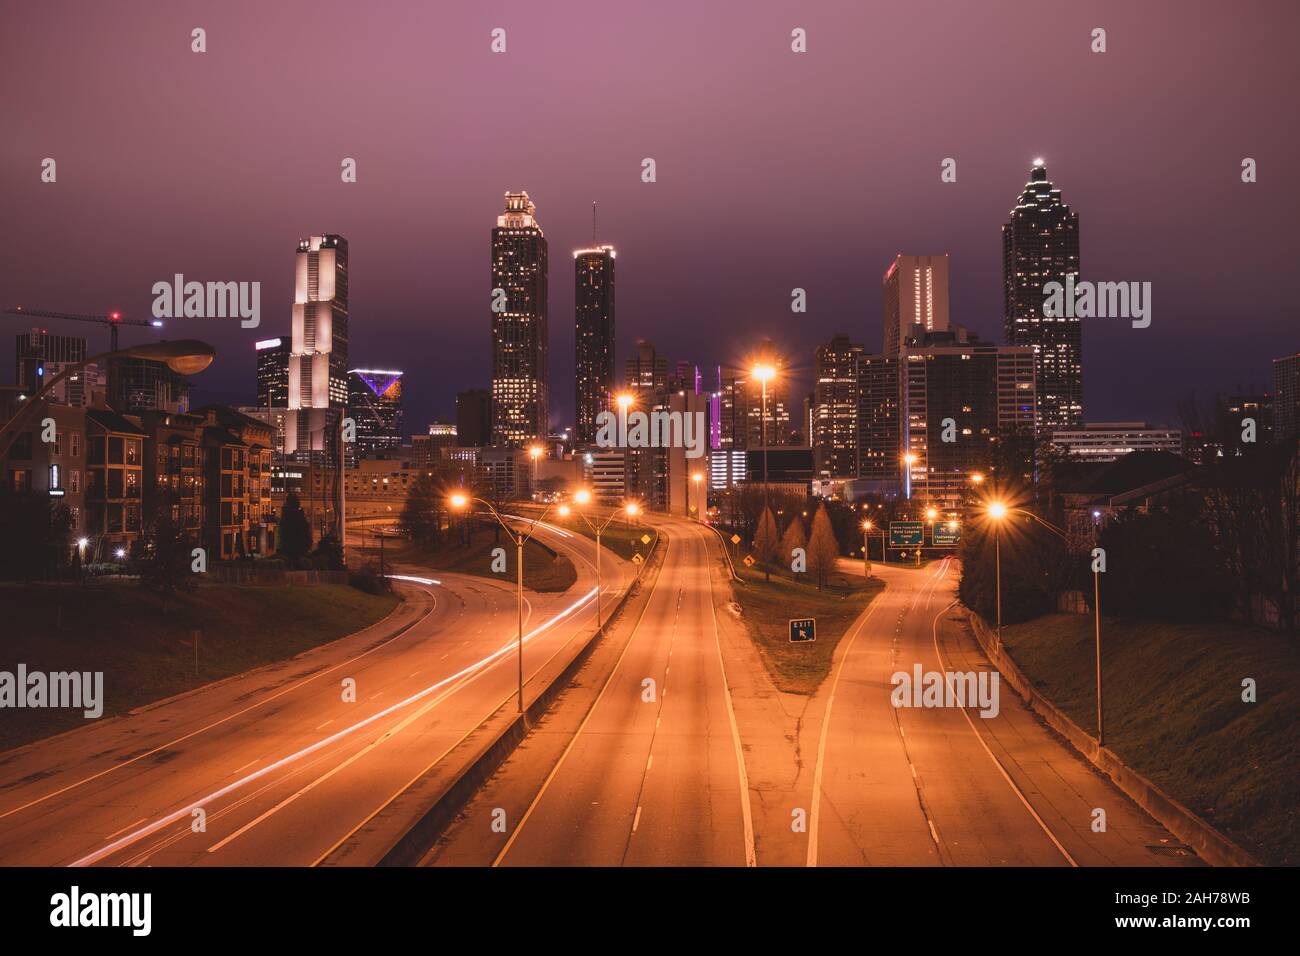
(1211, 845)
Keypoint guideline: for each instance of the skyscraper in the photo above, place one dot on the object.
(375, 404)
(39, 356)
(916, 294)
(318, 352)
(1286, 397)
(272, 373)
(880, 447)
(593, 307)
(834, 413)
(1040, 244)
(473, 418)
(520, 351)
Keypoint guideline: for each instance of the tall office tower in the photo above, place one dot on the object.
(1040, 244)
(646, 370)
(272, 373)
(686, 378)
(318, 352)
(1232, 418)
(39, 356)
(778, 413)
(880, 436)
(957, 402)
(520, 349)
(593, 307)
(732, 412)
(916, 294)
(1286, 398)
(375, 405)
(834, 412)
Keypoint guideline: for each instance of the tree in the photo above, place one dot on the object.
(295, 532)
(166, 554)
(793, 538)
(767, 545)
(823, 548)
(422, 513)
(35, 531)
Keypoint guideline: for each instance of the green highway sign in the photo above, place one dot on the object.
(905, 534)
(803, 629)
(945, 536)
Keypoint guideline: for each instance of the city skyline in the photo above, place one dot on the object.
(692, 257)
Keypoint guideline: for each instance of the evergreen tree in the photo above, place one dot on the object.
(823, 548)
(793, 538)
(295, 532)
(767, 543)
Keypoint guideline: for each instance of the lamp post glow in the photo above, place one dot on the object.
(696, 478)
(460, 502)
(997, 511)
(764, 373)
(583, 497)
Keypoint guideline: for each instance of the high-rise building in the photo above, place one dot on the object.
(39, 356)
(1286, 398)
(375, 406)
(957, 401)
(916, 294)
(473, 418)
(1239, 417)
(318, 354)
(834, 412)
(272, 373)
(880, 448)
(520, 344)
(593, 307)
(1040, 244)
(646, 370)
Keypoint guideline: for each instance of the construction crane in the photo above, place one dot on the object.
(113, 320)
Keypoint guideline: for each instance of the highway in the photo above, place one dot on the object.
(722, 769)
(274, 766)
(653, 775)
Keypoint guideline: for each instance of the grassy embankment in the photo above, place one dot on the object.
(769, 606)
(146, 654)
(1173, 710)
(544, 570)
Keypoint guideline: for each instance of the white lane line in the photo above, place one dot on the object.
(312, 748)
(746, 812)
(815, 816)
(934, 633)
(125, 828)
(636, 821)
(292, 687)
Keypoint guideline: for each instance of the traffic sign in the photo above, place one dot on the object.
(945, 536)
(803, 629)
(645, 539)
(735, 539)
(903, 534)
(637, 559)
(749, 561)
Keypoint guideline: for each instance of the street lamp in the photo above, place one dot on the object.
(184, 357)
(764, 373)
(459, 502)
(699, 512)
(583, 497)
(997, 511)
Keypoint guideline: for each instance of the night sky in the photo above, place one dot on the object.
(775, 170)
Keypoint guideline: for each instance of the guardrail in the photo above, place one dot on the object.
(726, 553)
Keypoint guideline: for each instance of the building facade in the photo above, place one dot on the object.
(593, 307)
(375, 407)
(318, 355)
(520, 342)
(916, 296)
(1107, 441)
(834, 409)
(1040, 244)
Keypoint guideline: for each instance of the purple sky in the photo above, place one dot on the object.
(775, 170)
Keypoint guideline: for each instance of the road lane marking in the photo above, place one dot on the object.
(746, 812)
(125, 763)
(312, 748)
(934, 633)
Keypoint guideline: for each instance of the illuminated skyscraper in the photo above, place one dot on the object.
(272, 372)
(1040, 244)
(593, 307)
(520, 352)
(834, 413)
(375, 405)
(916, 294)
(318, 353)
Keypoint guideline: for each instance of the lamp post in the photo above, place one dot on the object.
(764, 373)
(1096, 602)
(534, 452)
(997, 511)
(461, 502)
(583, 497)
(696, 478)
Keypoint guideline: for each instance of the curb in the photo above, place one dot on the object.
(1210, 845)
(418, 838)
